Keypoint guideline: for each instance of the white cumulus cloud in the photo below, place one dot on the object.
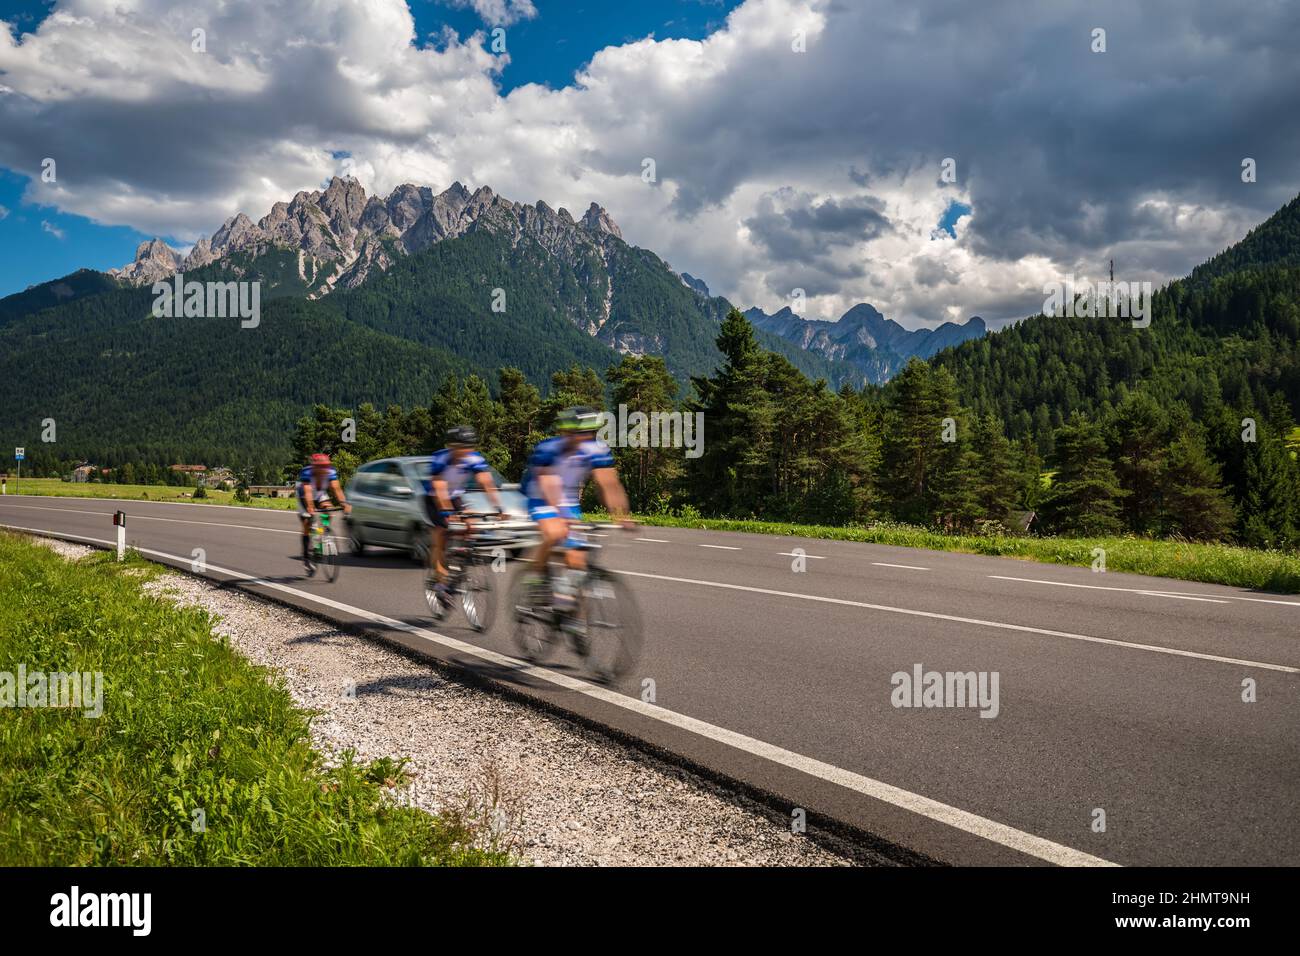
(774, 169)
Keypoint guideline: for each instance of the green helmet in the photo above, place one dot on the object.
(580, 418)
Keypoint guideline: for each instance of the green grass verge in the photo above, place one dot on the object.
(1208, 563)
(187, 725)
(56, 487)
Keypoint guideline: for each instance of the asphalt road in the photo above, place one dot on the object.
(1116, 694)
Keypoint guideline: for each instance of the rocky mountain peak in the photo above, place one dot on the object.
(341, 234)
(597, 220)
(154, 260)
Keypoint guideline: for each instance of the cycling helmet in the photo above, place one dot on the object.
(580, 418)
(320, 459)
(462, 435)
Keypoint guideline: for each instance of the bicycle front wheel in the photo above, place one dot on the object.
(330, 559)
(533, 627)
(478, 598)
(613, 626)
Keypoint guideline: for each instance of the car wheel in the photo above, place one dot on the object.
(419, 545)
(356, 543)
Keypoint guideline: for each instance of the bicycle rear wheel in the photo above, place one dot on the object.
(613, 625)
(532, 625)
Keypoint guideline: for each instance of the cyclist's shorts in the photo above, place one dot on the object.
(434, 515)
(321, 500)
(539, 509)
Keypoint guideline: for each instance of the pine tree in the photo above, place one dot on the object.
(1271, 487)
(521, 406)
(913, 437)
(578, 385)
(997, 484)
(642, 383)
(1137, 433)
(956, 487)
(1085, 495)
(1194, 502)
(731, 477)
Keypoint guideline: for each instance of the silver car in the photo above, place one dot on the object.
(388, 508)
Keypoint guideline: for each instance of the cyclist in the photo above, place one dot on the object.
(557, 471)
(449, 473)
(316, 484)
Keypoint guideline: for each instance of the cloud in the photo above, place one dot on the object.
(4, 212)
(52, 229)
(775, 169)
(498, 12)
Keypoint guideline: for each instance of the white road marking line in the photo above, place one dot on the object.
(140, 517)
(791, 554)
(971, 620)
(654, 540)
(964, 820)
(151, 501)
(719, 547)
(909, 567)
(1222, 599)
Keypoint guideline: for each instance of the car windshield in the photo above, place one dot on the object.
(512, 502)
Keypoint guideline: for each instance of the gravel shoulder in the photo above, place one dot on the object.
(551, 791)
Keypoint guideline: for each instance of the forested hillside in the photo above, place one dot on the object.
(1073, 425)
(124, 386)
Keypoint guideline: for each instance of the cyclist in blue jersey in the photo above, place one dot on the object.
(557, 471)
(316, 484)
(450, 471)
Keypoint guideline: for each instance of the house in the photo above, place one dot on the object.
(82, 472)
(190, 469)
(270, 491)
(219, 477)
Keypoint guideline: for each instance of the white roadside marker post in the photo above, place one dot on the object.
(119, 519)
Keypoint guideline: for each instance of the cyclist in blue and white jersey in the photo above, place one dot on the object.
(450, 471)
(557, 471)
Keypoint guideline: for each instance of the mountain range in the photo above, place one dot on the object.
(876, 346)
(339, 238)
(363, 298)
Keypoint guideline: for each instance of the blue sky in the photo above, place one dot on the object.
(39, 243)
(553, 46)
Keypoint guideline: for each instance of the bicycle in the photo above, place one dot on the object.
(594, 608)
(470, 568)
(323, 552)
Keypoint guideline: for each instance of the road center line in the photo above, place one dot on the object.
(1150, 592)
(964, 820)
(792, 554)
(719, 547)
(935, 615)
(909, 567)
(654, 540)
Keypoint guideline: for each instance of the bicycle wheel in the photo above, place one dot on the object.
(330, 559)
(436, 607)
(478, 598)
(613, 625)
(533, 627)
